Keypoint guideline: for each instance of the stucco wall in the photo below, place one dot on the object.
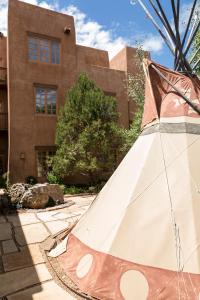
(91, 56)
(27, 129)
(3, 52)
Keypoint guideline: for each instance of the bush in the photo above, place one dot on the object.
(3, 181)
(72, 190)
(31, 180)
(53, 179)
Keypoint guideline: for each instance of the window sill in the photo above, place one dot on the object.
(43, 63)
(45, 115)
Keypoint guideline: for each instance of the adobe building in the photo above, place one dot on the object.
(39, 62)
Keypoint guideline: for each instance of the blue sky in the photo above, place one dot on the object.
(111, 24)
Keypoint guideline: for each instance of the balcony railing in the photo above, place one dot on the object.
(3, 121)
(3, 75)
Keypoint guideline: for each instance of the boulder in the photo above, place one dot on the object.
(16, 192)
(54, 191)
(39, 195)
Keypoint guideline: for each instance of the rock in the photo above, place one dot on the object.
(16, 191)
(38, 196)
(55, 192)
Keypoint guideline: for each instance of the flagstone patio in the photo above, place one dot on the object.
(23, 271)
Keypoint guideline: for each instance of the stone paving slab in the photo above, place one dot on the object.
(56, 226)
(9, 246)
(5, 231)
(30, 234)
(52, 216)
(23, 274)
(16, 280)
(30, 255)
(49, 291)
(71, 213)
(23, 219)
(2, 219)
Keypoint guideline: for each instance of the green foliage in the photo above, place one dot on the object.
(72, 190)
(84, 189)
(88, 137)
(52, 178)
(136, 88)
(196, 46)
(3, 181)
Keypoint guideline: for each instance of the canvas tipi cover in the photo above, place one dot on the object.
(140, 239)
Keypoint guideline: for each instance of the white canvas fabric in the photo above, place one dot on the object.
(139, 208)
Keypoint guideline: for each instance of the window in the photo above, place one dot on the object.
(45, 100)
(111, 94)
(44, 158)
(44, 50)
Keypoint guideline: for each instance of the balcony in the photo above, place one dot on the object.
(3, 76)
(3, 121)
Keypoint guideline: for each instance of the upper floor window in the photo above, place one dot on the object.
(44, 50)
(45, 100)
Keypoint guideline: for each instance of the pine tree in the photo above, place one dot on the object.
(88, 137)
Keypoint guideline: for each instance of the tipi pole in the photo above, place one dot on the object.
(163, 22)
(196, 64)
(192, 36)
(156, 25)
(189, 22)
(195, 54)
(177, 16)
(187, 100)
(187, 28)
(174, 38)
(176, 24)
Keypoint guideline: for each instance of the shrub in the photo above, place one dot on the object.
(31, 180)
(52, 178)
(3, 181)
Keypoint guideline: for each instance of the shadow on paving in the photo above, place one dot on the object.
(22, 267)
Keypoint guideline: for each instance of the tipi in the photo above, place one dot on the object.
(140, 239)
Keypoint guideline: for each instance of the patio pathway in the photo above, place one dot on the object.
(23, 272)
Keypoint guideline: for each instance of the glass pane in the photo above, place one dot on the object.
(33, 48)
(55, 53)
(44, 50)
(44, 162)
(41, 164)
(40, 100)
(51, 102)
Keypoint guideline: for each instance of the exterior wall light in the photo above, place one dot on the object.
(67, 30)
(22, 155)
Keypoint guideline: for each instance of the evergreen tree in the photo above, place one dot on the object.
(88, 137)
(196, 46)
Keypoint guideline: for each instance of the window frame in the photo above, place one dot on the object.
(50, 40)
(46, 88)
(40, 149)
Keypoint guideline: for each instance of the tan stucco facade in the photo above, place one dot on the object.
(28, 130)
